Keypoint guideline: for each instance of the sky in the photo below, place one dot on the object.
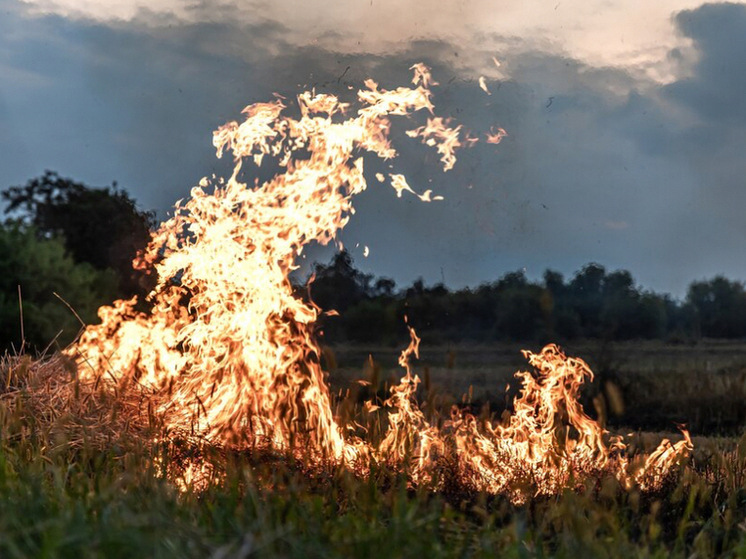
(626, 120)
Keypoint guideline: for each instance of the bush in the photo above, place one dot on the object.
(41, 267)
(100, 226)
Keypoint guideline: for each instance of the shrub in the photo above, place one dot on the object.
(41, 267)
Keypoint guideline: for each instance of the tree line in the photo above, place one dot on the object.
(593, 304)
(67, 248)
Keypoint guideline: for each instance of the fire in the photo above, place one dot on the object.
(495, 136)
(483, 85)
(227, 351)
(547, 443)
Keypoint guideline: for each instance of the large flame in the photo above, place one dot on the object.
(228, 350)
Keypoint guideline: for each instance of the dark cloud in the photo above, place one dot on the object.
(706, 129)
(599, 164)
(716, 89)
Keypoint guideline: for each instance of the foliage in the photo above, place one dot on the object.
(593, 304)
(720, 307)
(41, 267)
(100, 226)
(103, 229)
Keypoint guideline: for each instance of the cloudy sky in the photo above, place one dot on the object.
(626, 119)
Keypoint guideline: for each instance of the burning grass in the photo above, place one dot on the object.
(547, 444)
(217, 388)
(81, 478)
(227, 352)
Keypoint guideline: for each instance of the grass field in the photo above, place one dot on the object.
(701, 385)
(65, 493)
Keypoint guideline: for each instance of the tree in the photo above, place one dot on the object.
(384, 287)
(339, 285)
(99, 226)
(520, 309)
(41, 267)
(585, 291)
(720, 307)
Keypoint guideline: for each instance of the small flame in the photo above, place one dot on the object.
(495, 136)
(437, 133)
(483, 85)
(548, 443)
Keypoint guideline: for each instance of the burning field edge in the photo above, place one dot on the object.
(228, 353)
(51, 422)
(214, 383)
(46, 398)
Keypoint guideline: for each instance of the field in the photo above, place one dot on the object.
(64, 493)
(702, 385)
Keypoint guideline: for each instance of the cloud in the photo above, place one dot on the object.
(599, 32)
(715, 90)
(590, 147)
(617, 225)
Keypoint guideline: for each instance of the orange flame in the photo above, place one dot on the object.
(495, 136)
(228, 350)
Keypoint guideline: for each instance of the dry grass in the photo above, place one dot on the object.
(77, 479)
(658, 385)
(46, 395)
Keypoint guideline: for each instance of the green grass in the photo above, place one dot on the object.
(116, 504)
